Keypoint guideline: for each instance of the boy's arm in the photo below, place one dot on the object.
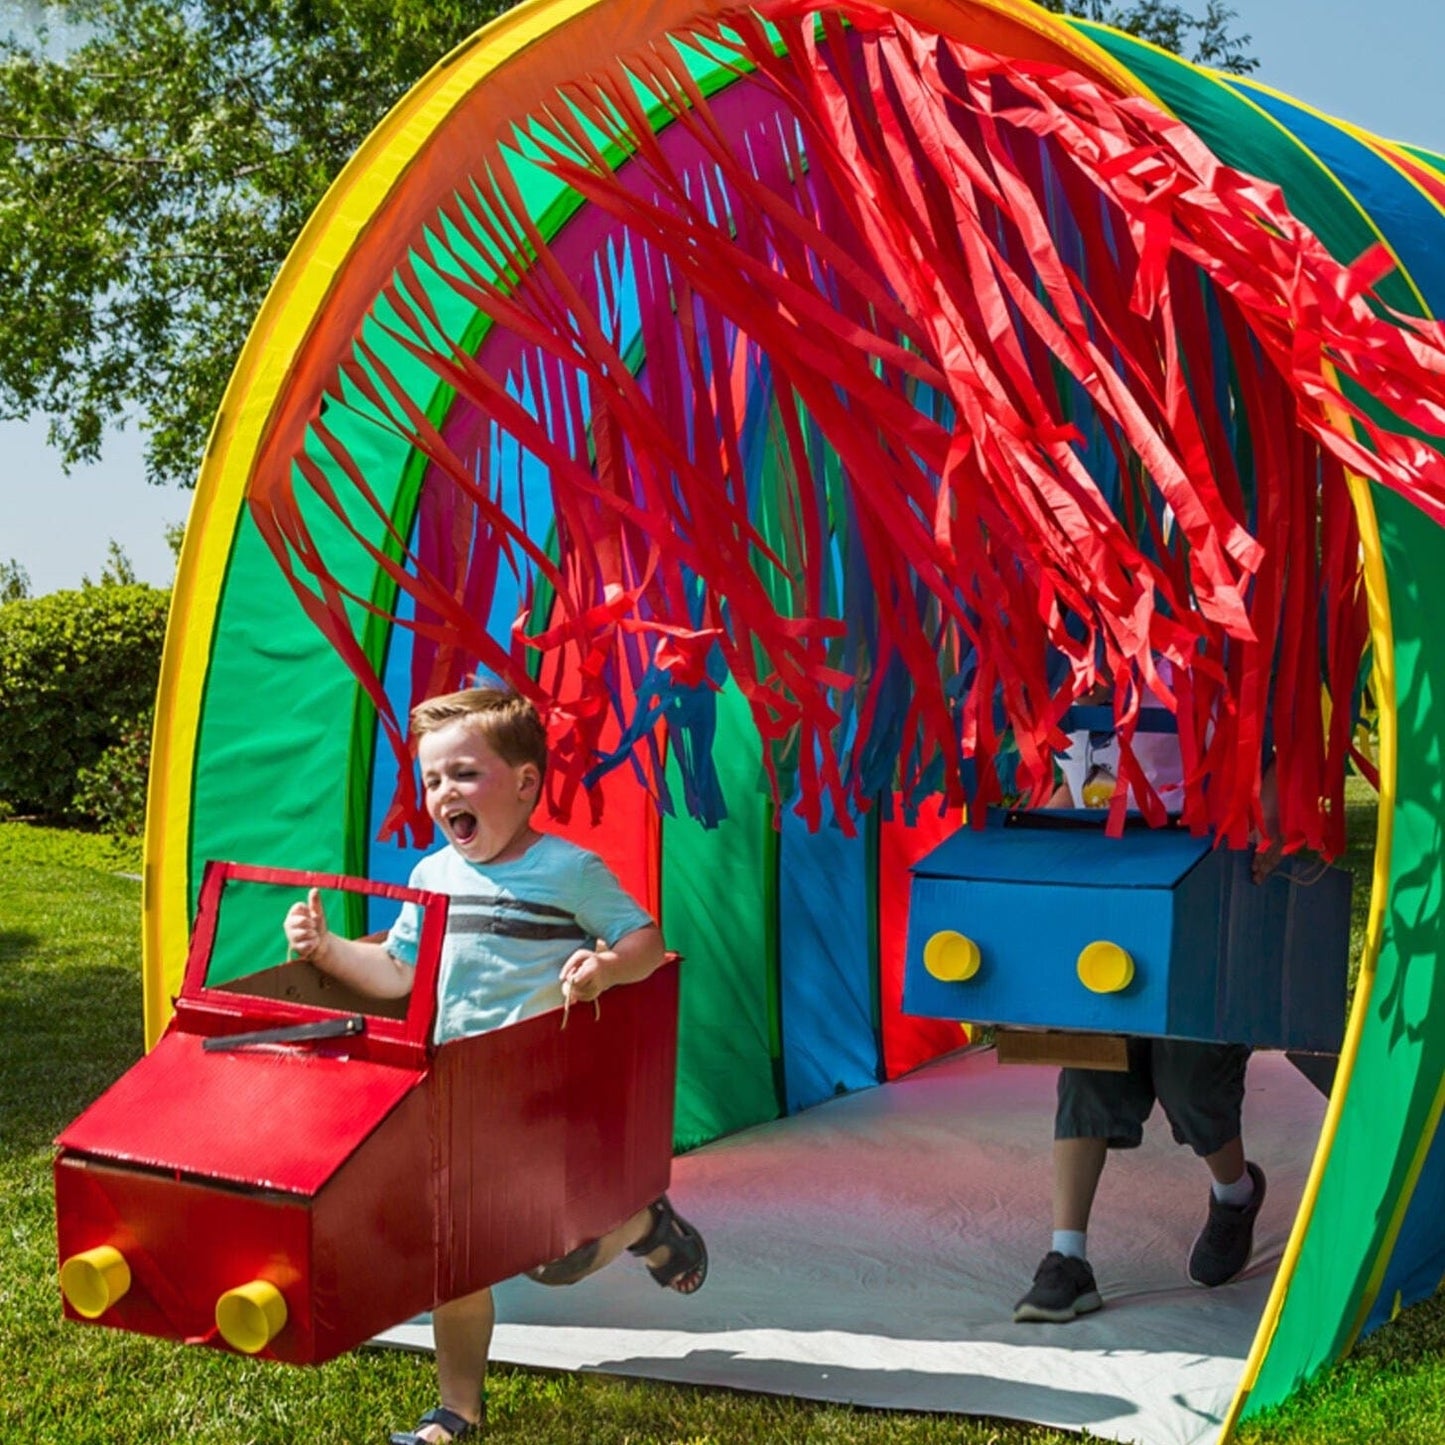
(590, 972)
(366, 967)
(1268, 853)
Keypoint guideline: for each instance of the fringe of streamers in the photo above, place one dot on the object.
(969, 388)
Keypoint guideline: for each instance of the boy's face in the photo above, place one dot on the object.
(479, 801)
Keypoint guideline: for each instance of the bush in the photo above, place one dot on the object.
(113, 792)
(78, 674)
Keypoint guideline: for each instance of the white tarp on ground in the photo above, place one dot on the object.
(870, 1251)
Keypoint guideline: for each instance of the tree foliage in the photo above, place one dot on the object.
(1205, 38)
(14, 581)
(152, 178)
(154, 174)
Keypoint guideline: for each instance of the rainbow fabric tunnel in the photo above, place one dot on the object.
(806, 406)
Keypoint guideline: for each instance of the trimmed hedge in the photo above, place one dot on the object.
(78, 675)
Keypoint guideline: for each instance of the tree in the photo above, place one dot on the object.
(118, 571)
(153, 176)
(14, 582)
(1172, 26)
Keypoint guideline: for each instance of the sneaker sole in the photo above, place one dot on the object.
(1218, 1283)
(1086, 1304)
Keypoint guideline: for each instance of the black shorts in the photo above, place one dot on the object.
(1200, 1087)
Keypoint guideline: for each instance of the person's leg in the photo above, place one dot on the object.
(1097, 1109)
(1226, 1167)
(463, 1330)
(1201, 1087)
(1078, 1165)
(657, 1223)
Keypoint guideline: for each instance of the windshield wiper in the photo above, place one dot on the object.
(289, 1034)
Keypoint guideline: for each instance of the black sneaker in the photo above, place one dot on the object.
(1223, 1246)
(1063, 1287)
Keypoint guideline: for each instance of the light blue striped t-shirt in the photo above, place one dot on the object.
(510, 928)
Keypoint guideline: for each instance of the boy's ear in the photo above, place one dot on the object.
(529, 781)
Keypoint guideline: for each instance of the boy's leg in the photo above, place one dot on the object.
(1064, 1286)
(1097, 1109)
(463, 1330)
(1227, 1165)
(591, 1257)
(1078, 1165)
(1201, 1087)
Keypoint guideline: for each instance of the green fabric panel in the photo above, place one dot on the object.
(248, 934)
(1402, 1052)
(273, 782)
(270, 781)
(719, 906)
(1433, 159)
(1246, 139)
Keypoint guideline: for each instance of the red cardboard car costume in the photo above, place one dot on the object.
(291, 1171)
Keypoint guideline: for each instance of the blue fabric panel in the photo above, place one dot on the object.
(1406, 218)
(825, 944)
(1417, 1265)
(390, 862)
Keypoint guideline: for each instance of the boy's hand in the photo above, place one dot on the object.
(305, 926)
(583, 976)
(1266, 860)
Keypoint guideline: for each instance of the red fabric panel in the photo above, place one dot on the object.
(907, 1041)
(617, 818)
(627, 835)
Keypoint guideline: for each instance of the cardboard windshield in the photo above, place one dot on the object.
(237, 978)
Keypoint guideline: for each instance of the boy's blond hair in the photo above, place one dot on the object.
(506, 720)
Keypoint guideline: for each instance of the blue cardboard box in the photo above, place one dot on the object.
(1042, 921)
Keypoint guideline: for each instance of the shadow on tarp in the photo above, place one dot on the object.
(970, 1394)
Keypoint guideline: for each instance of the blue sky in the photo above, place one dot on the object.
(1375, 62)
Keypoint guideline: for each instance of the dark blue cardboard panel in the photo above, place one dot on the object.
(1216, 956)
(1066, 848)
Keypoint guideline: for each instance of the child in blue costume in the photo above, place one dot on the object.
(528, 913)
(1200, 1087)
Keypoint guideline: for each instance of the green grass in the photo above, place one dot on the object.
(70, 1022)
(1361, 813)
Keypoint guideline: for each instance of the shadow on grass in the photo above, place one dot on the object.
(17, 944)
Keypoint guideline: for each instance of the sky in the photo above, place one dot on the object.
(1374, 62)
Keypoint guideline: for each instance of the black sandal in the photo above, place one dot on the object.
(685, 1268)
(458, 1427)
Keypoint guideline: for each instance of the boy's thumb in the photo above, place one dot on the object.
(313, 902)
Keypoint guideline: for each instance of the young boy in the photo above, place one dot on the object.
(1200, 1087)
(526, 916)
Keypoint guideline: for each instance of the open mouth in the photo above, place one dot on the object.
(462, 827)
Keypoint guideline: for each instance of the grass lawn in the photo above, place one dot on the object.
(70, 1022)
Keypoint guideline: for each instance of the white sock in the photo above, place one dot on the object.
(1071, 1242)
(1236, 1195)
